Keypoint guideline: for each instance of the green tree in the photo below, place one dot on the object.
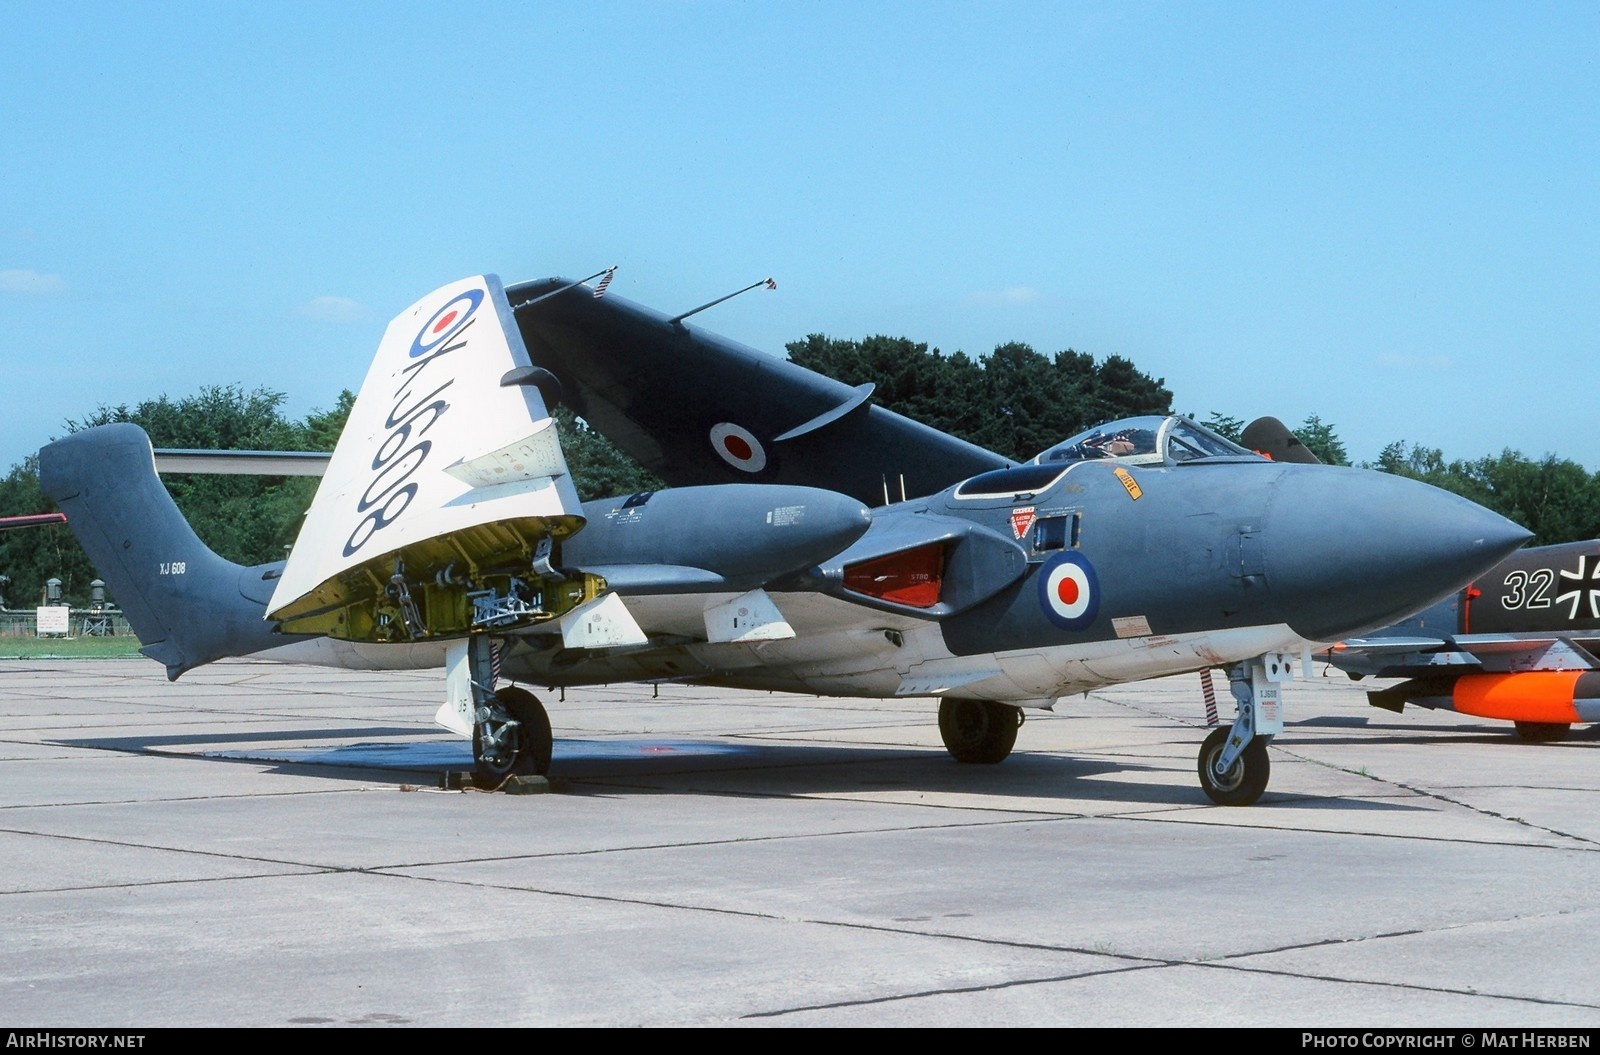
(1225, 425)
(1014, 401)
(1555, 498)
(31, 556)
(248, 519)
(1321, 440)
(599, 469)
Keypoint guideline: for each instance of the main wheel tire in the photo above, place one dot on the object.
(979, 731)
(1543, 732)
(1244, 781)
(528, 745)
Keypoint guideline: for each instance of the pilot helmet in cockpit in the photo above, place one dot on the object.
(1120, 443)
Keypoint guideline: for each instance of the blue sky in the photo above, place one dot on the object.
(1387, 215)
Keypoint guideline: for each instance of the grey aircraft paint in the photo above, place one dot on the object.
(1150, 547)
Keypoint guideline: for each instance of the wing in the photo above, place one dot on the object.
(696, 408)
(1415, 657)
(448, 468)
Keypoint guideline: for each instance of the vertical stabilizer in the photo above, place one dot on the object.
(187, 605)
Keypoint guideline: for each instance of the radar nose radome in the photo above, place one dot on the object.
(1351, 550)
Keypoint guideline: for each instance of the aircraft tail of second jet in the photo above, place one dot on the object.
(187, 605)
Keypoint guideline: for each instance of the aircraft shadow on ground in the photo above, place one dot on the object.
(687, 766)
(1447, 735)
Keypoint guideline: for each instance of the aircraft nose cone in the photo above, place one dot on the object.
(1351, 550)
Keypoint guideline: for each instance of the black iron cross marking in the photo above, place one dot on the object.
(1588, 572)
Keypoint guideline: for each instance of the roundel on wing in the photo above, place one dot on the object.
(446, 322)
(1069, 591)
(738, 447)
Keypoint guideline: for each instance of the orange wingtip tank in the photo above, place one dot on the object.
(1563, 696)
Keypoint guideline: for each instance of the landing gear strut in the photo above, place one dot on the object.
(1233, 763)
(978, 730)
(509, 727)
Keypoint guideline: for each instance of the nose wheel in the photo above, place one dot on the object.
(1242, 783)
(512, 737)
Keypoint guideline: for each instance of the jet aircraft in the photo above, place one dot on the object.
(808, 541)
(1520, 643)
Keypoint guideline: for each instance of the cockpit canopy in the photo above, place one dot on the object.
(1151, 440)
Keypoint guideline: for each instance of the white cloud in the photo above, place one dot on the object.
(31, 283)
(1005, 297)
(333, 309)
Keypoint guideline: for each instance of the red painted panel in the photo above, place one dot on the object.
(912, 577)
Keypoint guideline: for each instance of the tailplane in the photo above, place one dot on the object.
(187, 605)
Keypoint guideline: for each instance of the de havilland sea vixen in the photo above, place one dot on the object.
(1520, 643)
(808, 541)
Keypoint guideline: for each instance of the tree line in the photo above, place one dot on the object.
(1555, 498)
(1015, 401)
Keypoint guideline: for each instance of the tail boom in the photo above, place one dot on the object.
(187, 605)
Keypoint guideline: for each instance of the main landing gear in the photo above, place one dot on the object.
(978, 730)
(509, 728)
(1543, 732)
(511, 737)
(1233, 764)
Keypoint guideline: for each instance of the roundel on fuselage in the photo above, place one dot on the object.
(1069, 591)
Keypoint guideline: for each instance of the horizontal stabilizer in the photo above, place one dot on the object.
(242, 463)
